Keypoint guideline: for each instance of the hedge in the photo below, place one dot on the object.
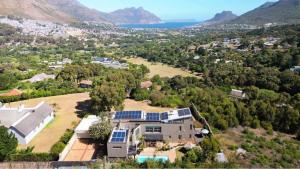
(33, 157)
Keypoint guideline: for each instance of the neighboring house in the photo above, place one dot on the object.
(26, 123)
(146, 85)
(13, 92)
(108, 62)
(239, 94)
(131, 126)
(82, 130)
(86, 84)
(40, 77)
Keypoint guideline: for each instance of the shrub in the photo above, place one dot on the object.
(141, 94)
(67, 136)
(57, 148)
(33, 157)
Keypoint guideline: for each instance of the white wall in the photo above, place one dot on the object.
(68, 147)
(33, 133)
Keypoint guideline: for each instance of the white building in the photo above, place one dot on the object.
(82, 130)
(26, 123)
(40, 77)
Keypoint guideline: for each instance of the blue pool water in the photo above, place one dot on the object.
(142, 159)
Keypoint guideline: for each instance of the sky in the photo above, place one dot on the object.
(178, 9)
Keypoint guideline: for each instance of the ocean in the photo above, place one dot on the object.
(166, 25)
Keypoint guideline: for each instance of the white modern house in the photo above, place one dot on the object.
(26, 123)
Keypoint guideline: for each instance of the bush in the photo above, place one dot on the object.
(221, 124)
(255, 123)
(67, 136)
(141, 94)
(57, 148)
(33, 157)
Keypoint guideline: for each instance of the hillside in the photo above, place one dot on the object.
(281, 12)
(219, 18)
(33, 9)
(79, 11)
(133, 16)
(66, 11)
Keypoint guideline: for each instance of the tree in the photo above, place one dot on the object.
(100, 131)
(107, 96)
(8, 143)
(210, 147)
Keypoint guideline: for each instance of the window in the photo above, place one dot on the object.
(157, 129)
(180, 128)
(153, 129)
(170, 137)
(190, 136)
(179, 137)
(191, 127)
(117, 147)
(149, 129)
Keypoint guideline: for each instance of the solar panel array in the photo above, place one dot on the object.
(184, 112)
(118, 136)
(128, 115)
(152, 116)
(164, 116)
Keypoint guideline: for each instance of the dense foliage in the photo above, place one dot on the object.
(8, 143)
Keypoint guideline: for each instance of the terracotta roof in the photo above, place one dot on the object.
(13, 92)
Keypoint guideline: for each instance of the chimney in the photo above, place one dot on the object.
(21, 107)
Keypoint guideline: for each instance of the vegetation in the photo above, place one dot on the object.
(100, 131)
(8, 143)
(58, 147)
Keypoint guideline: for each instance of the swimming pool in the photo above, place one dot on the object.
(142, 159)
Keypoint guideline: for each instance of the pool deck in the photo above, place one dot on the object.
(151, 151)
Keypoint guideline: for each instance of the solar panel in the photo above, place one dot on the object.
(164, 116)
(152, 116)
(184, 112)
(128, 115)
(118, 136)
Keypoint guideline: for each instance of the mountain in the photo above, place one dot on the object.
(66, 11)
(34, 9)
(79, 11)
(281, 12)
(219, 18)
(133, 16)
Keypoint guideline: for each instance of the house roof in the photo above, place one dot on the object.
(86, 82)
(9, 116)
(13, 92)
(143, 116)
(41, 77)
(86, 123)
(32, 119)
(237, 93)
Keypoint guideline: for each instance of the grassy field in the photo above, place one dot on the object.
(135, 105)
(160, 69)
(65, 107)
